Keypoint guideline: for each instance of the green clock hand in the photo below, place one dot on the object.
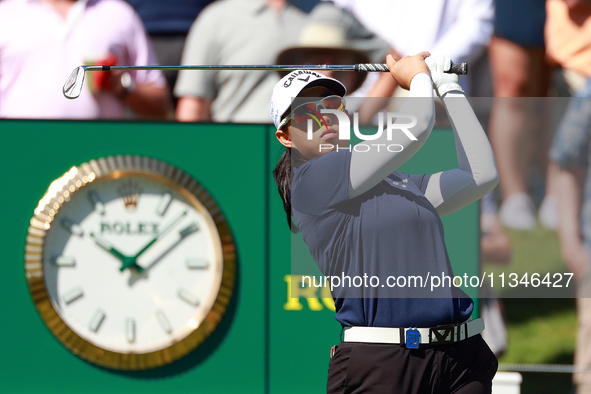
(125, 260)
(132, 260)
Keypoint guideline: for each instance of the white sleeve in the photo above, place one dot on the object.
(476, 174)
(370, 168)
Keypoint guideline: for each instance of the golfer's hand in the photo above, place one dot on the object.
(405, 69)
(442, 82)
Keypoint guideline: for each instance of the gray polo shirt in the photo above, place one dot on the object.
(392, 230)
(232, 32)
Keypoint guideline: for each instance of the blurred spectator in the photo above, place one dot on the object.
(571, 149)
(458, 29)
(334, 36)
(519, 70)
(233, 32)
(167, 23)
(42, 41)
(322, 44)
(568, 39)
(495, 247)
(492, 312)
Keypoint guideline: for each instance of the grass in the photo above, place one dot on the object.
(540, 330)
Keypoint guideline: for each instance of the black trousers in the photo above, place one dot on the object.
(466, 367)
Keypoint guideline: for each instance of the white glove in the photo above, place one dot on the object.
(443, 82)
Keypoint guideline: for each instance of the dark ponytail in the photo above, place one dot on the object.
(282, 175)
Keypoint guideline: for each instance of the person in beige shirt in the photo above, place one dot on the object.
(235, 32)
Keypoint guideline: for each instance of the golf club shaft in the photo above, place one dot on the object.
(459, 68)
(75, 81)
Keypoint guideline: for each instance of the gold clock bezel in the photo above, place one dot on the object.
(114, 167)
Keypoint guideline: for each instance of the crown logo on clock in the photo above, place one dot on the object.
(130, 193)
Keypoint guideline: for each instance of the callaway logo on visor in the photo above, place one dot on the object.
(295, 74)
(292, 85)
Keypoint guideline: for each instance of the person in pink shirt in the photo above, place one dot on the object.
(42, 41)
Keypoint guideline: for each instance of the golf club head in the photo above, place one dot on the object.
(74, 83)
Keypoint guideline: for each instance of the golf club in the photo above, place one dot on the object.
(75, 81)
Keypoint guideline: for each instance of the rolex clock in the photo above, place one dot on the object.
(130, 262)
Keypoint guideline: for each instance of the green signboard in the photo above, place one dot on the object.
(266, 342)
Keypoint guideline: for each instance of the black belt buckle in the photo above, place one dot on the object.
(439, 335)
(413, 338)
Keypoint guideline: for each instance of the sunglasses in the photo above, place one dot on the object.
(312, 108)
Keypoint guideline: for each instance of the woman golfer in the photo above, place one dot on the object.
(361, 218)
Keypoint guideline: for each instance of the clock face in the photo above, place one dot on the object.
(133, 262)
